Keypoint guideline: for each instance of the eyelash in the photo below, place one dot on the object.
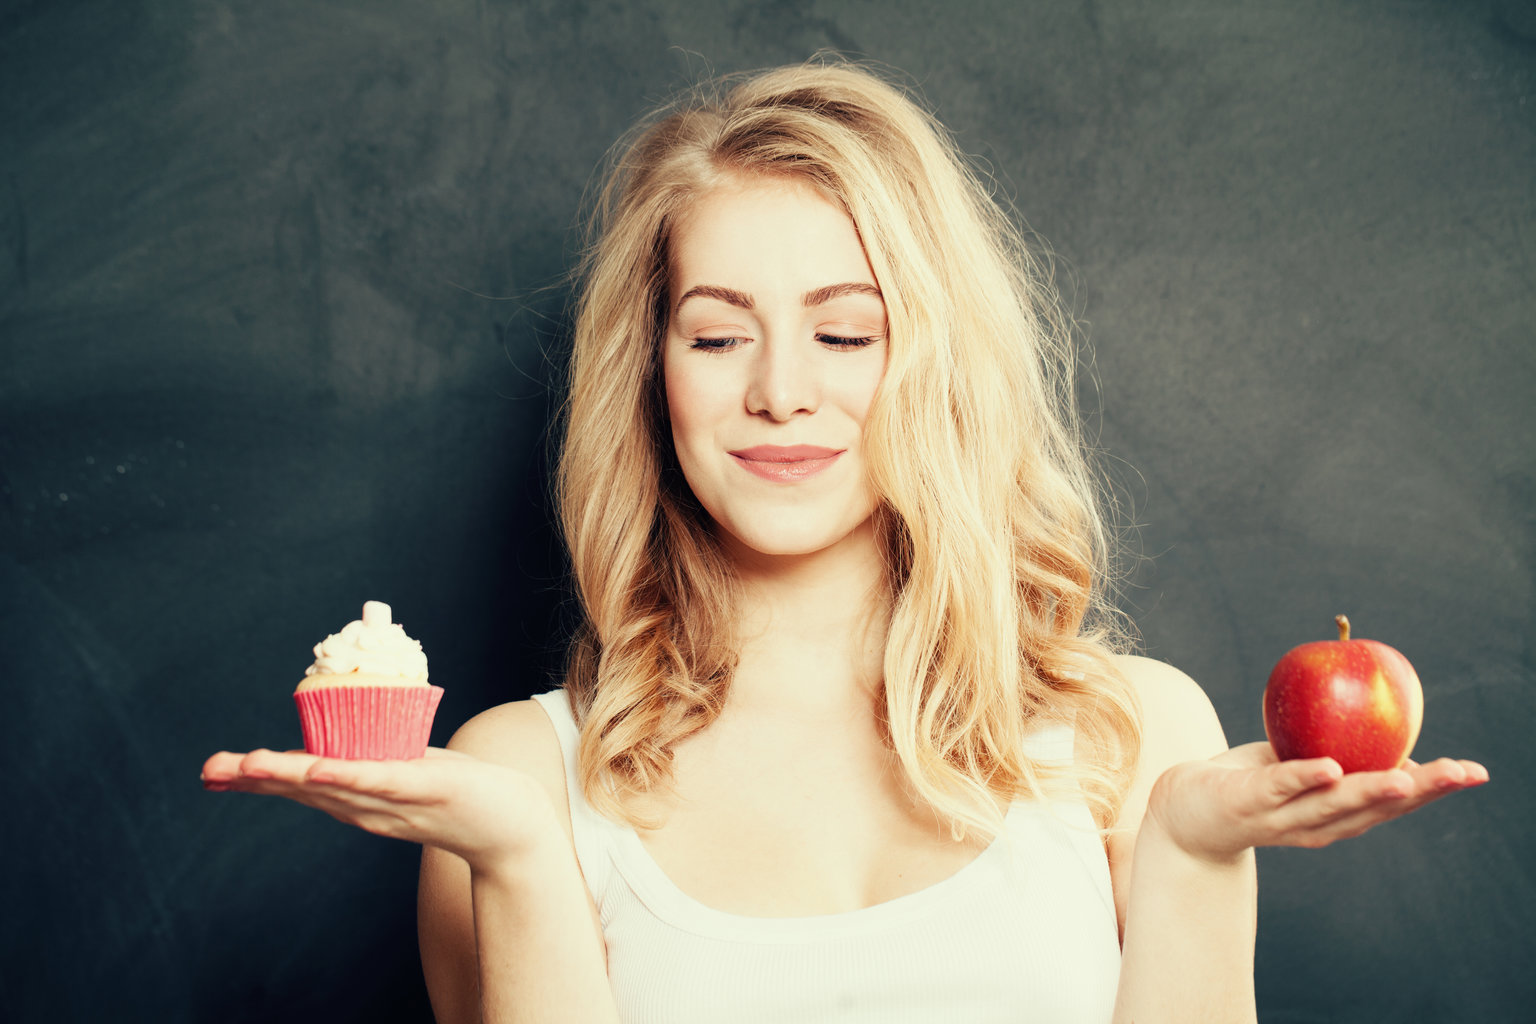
(830, 340)
(714, 344)
(841, 341)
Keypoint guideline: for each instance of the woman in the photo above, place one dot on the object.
(844, 736)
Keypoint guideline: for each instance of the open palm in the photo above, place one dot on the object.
(1247, 797)
(478, 810)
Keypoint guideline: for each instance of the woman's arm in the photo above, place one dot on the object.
(515, 945)
(519, 942)
(507, 928)
(1187, 928)
(1183, 862)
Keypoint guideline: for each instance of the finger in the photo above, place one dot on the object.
(224, 768)
(1445, 775)
(1290, 779)
(221, 767)
(1348, 826)
(393, 782)
(1450, 774)
(363, 776)
(350, 808)
(1359, 790)
(291, 783)
(288, 766)
(1431, 782)
(1350, 795)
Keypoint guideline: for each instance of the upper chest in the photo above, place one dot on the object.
(811, 865)
(794, 822)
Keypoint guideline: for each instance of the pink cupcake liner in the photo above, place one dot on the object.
(375, 723)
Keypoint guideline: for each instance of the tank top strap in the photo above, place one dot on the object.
(1052, 744)
(1055, 745)
(594, 835)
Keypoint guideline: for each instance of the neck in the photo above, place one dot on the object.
(812, 628)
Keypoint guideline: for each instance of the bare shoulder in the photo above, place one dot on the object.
(1178, 721)
(1178, 724)
(511, 734)
(520, 736)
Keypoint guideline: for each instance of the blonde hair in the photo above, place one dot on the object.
(988, 512)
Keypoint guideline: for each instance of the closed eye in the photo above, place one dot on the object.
(840, 341)
(716, 344)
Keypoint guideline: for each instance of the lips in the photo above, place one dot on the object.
(786, 463)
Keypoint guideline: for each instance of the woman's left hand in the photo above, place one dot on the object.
(1246, 797)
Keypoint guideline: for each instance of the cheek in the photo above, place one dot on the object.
(688, 405)
(859, 387)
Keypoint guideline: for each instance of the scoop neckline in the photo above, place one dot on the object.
(666, 899)
(628, 857)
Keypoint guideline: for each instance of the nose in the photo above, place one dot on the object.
(785, 380)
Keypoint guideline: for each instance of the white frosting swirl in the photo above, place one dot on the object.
(374, 645)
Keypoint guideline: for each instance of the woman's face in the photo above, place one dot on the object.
(775, 346)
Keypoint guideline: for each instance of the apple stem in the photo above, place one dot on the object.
(1343, 621)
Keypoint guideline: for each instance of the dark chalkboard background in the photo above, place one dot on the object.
(280, 296)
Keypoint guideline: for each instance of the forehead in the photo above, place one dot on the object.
(762, 233)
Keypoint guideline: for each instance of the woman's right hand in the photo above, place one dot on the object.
(488, 814)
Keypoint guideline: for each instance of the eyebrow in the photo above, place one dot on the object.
(814, 297)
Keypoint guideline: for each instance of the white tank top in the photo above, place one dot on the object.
(1025, 932)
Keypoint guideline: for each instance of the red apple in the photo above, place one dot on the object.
(1356, 701)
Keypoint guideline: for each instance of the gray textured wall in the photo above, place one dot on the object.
(280, 293)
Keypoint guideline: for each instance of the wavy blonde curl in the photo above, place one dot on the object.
(989, 516)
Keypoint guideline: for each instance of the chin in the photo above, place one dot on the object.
(792, 540)
(779, 547)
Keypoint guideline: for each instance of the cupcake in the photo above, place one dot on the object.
(367, 696)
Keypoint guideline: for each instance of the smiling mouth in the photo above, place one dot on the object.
(786, 463)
